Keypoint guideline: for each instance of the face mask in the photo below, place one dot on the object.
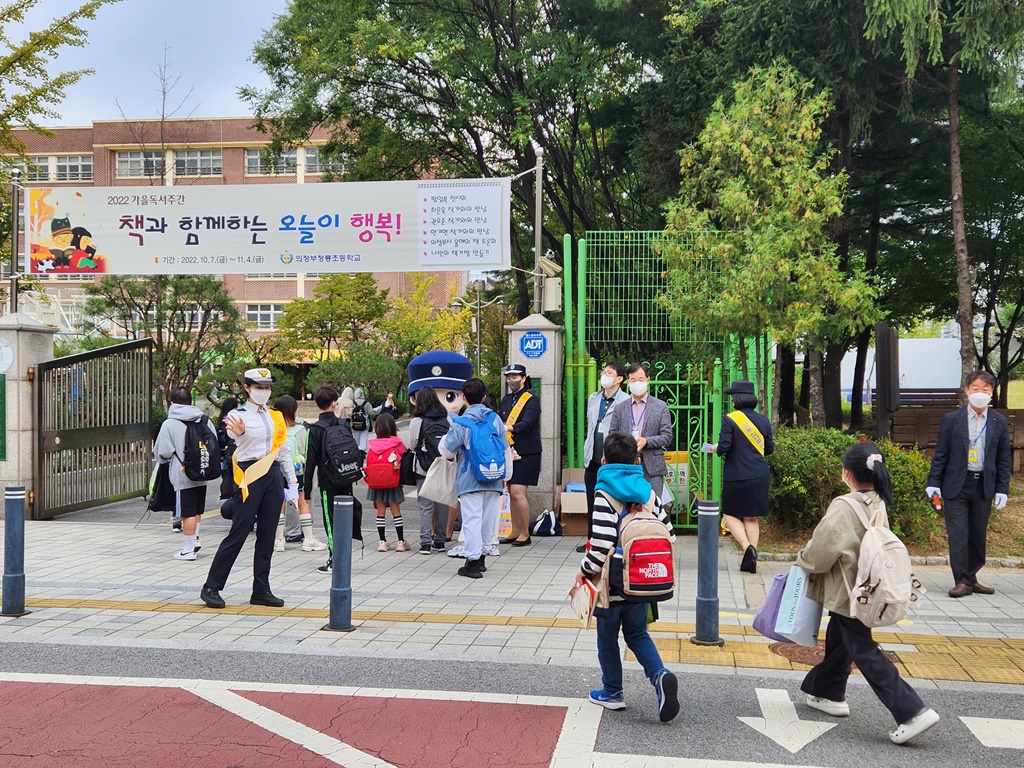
(515, 385)
(259, 396)
(607, 381)
(979, 399)
(638, 388)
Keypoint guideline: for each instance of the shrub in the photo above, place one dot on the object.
(911, 515)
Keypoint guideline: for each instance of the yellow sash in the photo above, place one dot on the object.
(749, 430)
(513, 415)
(259, 468)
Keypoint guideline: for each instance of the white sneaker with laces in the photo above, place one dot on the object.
(828, 706)
(313, 545)
(183, 555)
(915, 726)
(279, 545)
(383, 547)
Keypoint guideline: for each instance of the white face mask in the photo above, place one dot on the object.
(979, 399)
(638, 388)
(607, 381)
(259, 396)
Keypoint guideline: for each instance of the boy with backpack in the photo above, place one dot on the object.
(188, 440)
(624, 499)
(332, 454)
(479, 442)
(428, 427)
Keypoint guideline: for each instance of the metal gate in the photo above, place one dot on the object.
(93, 437)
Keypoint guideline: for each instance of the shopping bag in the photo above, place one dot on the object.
(162, 497)
(547, 524)
(439, 484)
(582, 597)
(799, 616)
(407, 471)
(768, 613)
(505, 519)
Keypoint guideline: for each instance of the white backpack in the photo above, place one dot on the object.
(886, 585)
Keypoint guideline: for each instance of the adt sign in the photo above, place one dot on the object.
(533, 344)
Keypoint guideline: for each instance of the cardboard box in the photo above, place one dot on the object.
(574, 514)
(572, 475)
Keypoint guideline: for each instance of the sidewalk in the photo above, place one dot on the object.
(106, 577)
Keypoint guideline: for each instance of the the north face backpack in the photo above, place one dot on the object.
(485, 445)
(381, 471)
(342, 462)
(358, 418)
(432, 431)
(643, 563)
(201, 461)
(885, 584)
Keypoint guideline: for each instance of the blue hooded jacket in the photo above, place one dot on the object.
(624, 482)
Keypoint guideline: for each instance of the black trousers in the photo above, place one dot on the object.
(327, 503)
(590, 480)
(848, 640)
(263, 507)
(966, 528)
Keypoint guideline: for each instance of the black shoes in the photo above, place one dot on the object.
(524, 543)
(749, 561)
(267, 599)
(211, 597)
(507, 540)
(472, 569)
(297, 539)
(581, 547)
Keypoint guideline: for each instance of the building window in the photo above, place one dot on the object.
(147, 163)
(264, 316)
(197, 162)
(38, 168)
(74, 167)
(270, 276)
(257, 165)
(315, 165)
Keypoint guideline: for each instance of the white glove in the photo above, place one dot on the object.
(1000, 500)
(932, 491)
(291, 494)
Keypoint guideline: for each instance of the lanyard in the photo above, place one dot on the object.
(636, 421)
(974, 442)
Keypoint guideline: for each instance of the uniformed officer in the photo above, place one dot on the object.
(261, 457)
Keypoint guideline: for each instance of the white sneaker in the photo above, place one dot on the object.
(492, 550)
(383, 547)
(313, 545)
(197, 546)
(402, 547)
(459, 550)
(183, 555)
(279, 545)
(829, 707)
(915, 726)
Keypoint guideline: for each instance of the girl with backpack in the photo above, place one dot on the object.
(383, 461)
(831, 557)
(428, 426)
(297, 442)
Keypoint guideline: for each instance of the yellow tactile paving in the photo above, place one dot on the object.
(499, 621)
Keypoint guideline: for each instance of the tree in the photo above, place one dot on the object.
(361, 364)
(754, 254)
(192, 321)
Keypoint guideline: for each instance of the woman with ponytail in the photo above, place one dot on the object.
(831, 559)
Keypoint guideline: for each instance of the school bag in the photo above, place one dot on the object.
(642, 568)
(381, 471)
(432, 431)
(485, 447)
(298, 442)
(885, 585)
(342, 461)
(201, 461)
(358, 419)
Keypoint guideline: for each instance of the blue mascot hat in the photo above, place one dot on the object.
(439, 369)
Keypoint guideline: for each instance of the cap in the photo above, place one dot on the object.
(741, 387)
(439, 369)
(258, 376)
(514, 369)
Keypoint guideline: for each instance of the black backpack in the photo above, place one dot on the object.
(202, 451)
(358, 420)
(342, 461)
(432, 431)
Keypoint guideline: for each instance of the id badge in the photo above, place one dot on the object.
(972, 455)
(636, 432)
(602, 427)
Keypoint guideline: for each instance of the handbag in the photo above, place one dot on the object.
(799, 616)
(505, 517)
(547, 524)
(162, 497)
(439, 484)
(768, 613)
(407, 471)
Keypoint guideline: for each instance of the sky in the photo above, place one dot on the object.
(209, 45)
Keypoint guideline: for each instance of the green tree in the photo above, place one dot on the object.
(361, 364)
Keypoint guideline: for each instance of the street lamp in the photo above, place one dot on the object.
(477, 286)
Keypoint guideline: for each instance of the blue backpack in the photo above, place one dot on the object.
(486, 447)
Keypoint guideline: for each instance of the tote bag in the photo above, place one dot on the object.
(799, 616)
(407, 472)
(768, 613)
(439, 484)
(162, 496)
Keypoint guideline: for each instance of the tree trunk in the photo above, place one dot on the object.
(857, 390)
(964, 282)
(785, 385)
(817, 395)
(832, 385)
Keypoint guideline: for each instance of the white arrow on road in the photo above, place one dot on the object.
(780, 722)
(1001, 734)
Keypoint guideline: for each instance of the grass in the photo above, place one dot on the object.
(1015, 393)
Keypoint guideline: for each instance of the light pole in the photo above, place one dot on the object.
(477, 286)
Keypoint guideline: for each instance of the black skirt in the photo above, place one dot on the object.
(526, 471)
(745, 498)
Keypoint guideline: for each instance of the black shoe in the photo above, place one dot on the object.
(507, 540)
(297, 539)
(581, 547)
(753, 559)
(483, 563)
(524, 543)
(326, 567)
(176, 524)
(211, 597)
(471, 570)
(747, 563)
(265, 598)
(438, 546)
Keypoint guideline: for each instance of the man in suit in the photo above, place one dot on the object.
(646, 418)
(971, 467)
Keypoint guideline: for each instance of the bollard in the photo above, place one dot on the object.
(14, 552)
(341, 566)
(707, 574)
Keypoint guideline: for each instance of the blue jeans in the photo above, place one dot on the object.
(632, 618)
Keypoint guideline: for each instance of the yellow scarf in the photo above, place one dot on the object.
(513, 415)
(749, 430)
(259, 468)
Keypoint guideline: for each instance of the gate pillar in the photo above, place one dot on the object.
(24, 342)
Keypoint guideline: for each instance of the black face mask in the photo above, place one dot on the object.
(515, 386)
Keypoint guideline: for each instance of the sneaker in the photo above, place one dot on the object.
(312, 545)
(492, 549)
(438, 546)
(608, 700)
(279, 545)
(176, 524)
(829, 707)
(457, 551)
(383, 546)
(197, 545)
(296, 539)
(401, 547)
(183, 555)
(666, 688)
(325, 568)
(424, 549)
(915, 726)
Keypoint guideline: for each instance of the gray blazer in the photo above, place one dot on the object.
(657, 429)
(593, 409)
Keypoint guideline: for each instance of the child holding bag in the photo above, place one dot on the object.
(385, 452)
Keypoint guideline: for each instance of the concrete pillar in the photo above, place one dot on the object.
(24, 342)
(537, 343)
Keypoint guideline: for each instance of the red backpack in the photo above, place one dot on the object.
(382, 471)
(642, 568)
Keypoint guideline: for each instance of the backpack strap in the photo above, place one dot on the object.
(862, 509)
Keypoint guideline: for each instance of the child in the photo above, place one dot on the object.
(430, 418)
(297, 442)
(621, 477)
(387, 439)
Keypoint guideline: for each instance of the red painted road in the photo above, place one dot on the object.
(53, 725)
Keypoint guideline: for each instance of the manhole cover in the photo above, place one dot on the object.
(803, 654)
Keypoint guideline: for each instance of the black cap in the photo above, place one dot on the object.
(514, 369)
(741, 387)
